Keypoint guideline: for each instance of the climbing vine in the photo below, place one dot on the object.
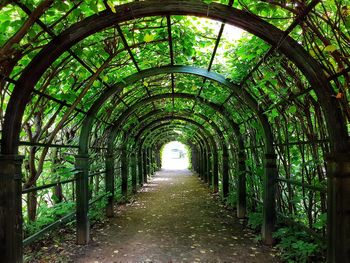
(52, 122)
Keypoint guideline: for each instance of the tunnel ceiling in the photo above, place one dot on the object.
(69, 87)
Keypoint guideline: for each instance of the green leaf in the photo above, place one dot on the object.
(274, 113)
(111, 6)
(292, 109)
(347, 23)
(148, 38)
(93, 6)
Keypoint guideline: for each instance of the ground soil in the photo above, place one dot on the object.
(174, 218)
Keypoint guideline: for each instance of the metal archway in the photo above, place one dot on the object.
(338, 171)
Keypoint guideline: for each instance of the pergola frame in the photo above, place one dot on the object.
(338, 163)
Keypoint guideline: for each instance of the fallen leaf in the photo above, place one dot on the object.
(339, 95)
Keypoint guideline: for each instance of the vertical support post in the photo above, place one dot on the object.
(210, 169)
(200, 162)
(242, 188)
(109, 179)
(215, 173)
(269, 209)
(193, 159)
(124, 172)
(338, 212)
(82, 188)
(159, 163)
(225, 174)
(133, 173)
(150, 160)
(140, 167)
(11, 208)
(205, 166)
(145, 168)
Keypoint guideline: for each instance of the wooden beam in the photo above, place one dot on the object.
(82, 199)
(11, 208)
(133, 171)
(109, 181)
(124, 172)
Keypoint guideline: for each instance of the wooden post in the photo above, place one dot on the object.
(133, 173)
(159, 163)
(124, 172)
(11, 208)
(269, 209)
(144, 169)
(193, 159)
(210, 169)
(82, 202)
(205, 166)
(200, 163)
(109, 179)
(225, 174)
(196, 160)
(150, 161)
(140, 167)
(241, 187)
(215, 173)
(338, 213)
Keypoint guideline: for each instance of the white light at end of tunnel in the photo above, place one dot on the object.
(175, 156)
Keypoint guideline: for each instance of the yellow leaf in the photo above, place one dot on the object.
(148, 38)
(312, 53)
(111, 6)
(339, 95)
(145, 84)
(330, 48)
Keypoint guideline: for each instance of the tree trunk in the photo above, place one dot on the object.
(32, 205)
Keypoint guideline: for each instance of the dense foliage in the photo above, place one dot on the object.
(71, 85)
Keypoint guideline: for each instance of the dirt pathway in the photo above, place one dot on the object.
(174, 219)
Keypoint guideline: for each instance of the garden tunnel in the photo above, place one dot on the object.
(91, 91)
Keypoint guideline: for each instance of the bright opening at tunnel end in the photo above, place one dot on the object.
(175, 156)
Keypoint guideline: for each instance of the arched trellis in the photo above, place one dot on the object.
(270, 172)
(162, 135)
(208, 144)
(207, 138)
(208, 170)
(205, 143)
(143, 169)
(82, 158)
(165, 133)
(246, 21)
(270, 158)
(336, 126)
(159, 115)
(241, 205)
(167, 128)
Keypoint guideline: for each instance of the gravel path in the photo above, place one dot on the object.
(174, 219)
